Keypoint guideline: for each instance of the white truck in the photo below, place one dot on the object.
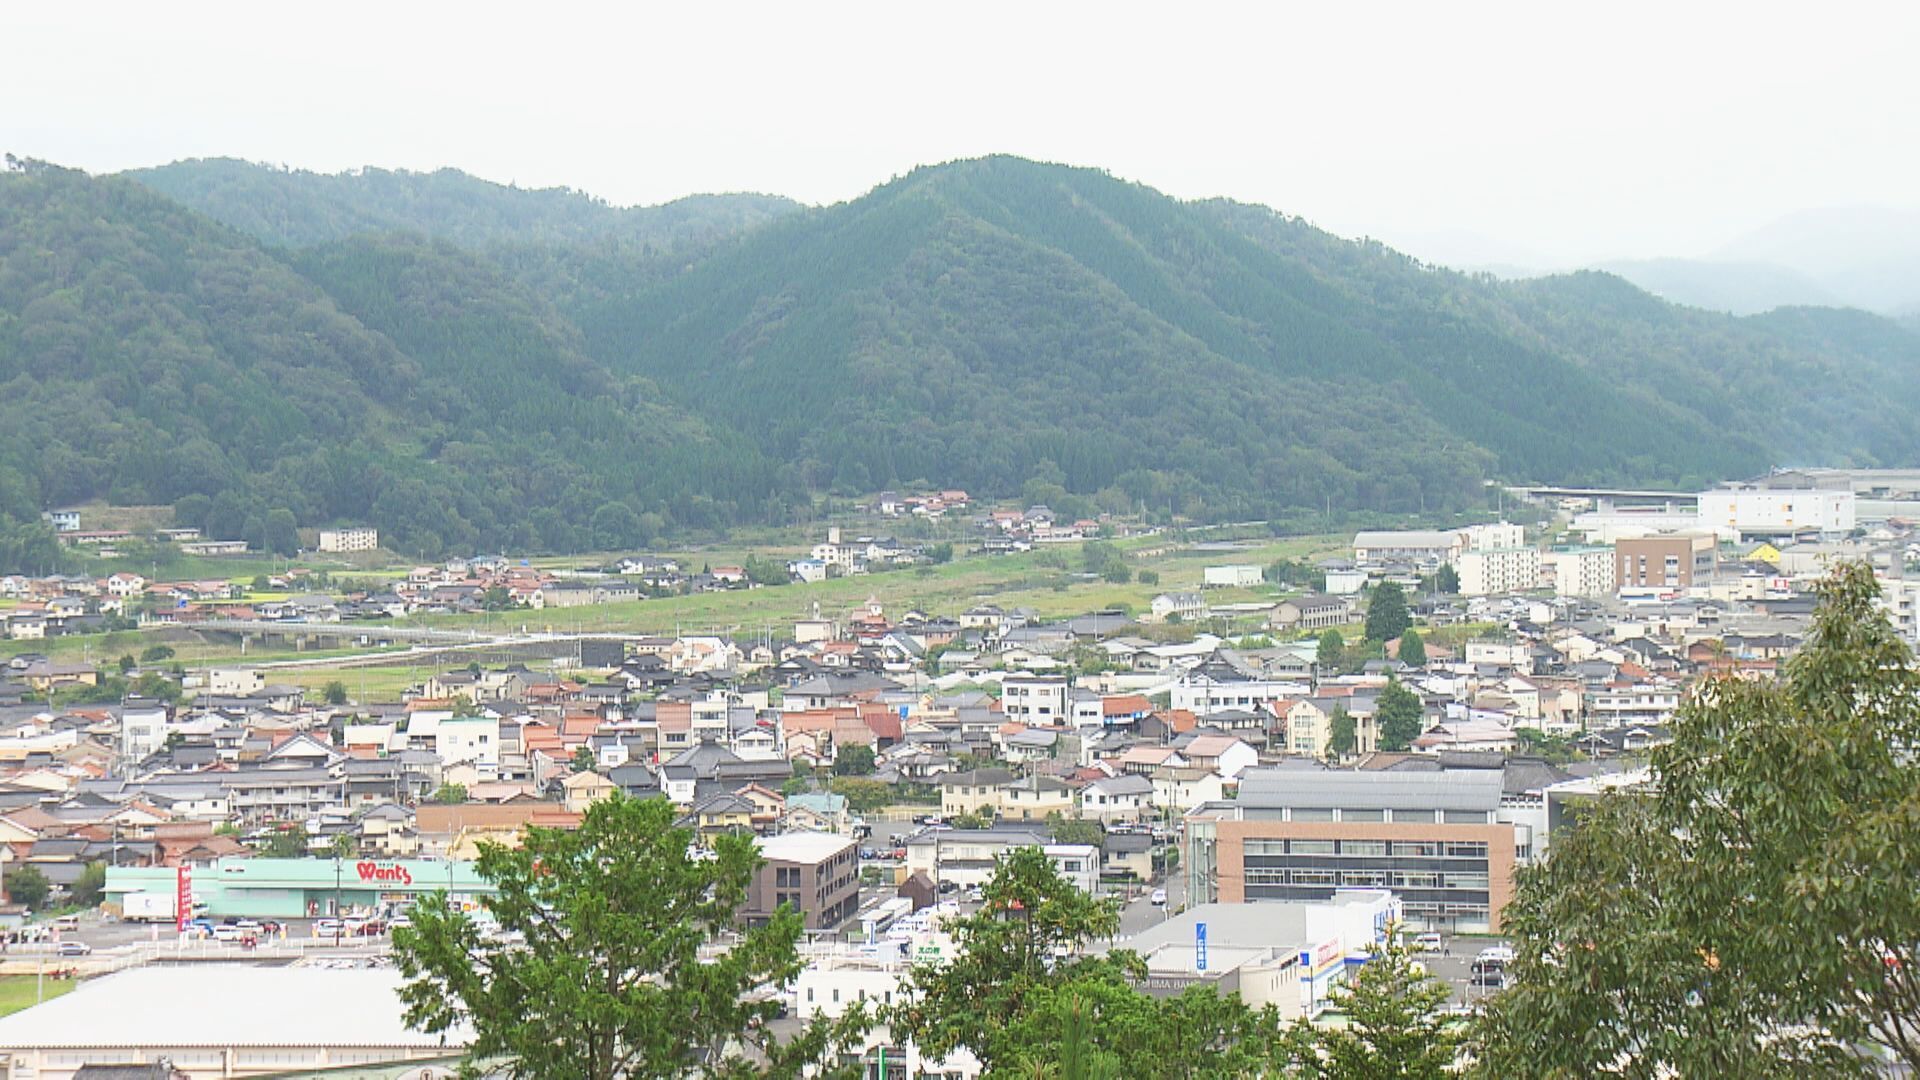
(148, 907)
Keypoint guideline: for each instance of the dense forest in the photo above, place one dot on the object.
(471, 366)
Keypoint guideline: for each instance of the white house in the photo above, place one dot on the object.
(1036, 699)
(1117, 798)
(1185, 605)
(1234, 576)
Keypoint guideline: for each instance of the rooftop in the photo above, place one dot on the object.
(803, 847)
(225, 1005)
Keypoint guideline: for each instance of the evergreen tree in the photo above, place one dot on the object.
(1394, 1027)
(1413, 651)
(1399, 717)
(1332, 648)
(1387, 614)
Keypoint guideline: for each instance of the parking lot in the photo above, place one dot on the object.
(1450, 966)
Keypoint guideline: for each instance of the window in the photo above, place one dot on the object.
(1467, 850)
(1363, 815)
(1363, 847)
(1313, 877)
(1310, 813)
(1417, 849)
(1466, 817)
(1425, 816)
(1310, 847)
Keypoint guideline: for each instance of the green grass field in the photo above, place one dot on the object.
(17, 991)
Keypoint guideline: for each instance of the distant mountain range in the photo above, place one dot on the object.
(469, 365)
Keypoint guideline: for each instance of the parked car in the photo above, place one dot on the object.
(326, 928)
(228, 932)
(1159, 898)
(1428, 942)
(74, 948)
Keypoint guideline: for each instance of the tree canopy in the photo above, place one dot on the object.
(1398, 716)
(1752, 910)
(1387, 614)
(610, 981)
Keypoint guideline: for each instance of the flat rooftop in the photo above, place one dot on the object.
(226, 1005)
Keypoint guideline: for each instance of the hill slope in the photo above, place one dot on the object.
(296, 208)
(533, 374)
(149, 355)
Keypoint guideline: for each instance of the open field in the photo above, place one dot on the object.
(17, 991)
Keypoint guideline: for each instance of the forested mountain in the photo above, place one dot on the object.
(467, 365)
(295, 208)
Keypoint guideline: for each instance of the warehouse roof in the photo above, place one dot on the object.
(226, 1005)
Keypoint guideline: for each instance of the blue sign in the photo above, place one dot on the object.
(1199, 946)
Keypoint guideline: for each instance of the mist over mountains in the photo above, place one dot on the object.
(470, 365)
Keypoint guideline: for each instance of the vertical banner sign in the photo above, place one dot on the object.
(183, 898)
(1199, 946)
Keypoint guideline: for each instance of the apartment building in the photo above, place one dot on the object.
(1675, 561)
(353, 538)
(1579, 571)
(1434, 838)
(818, 874)
(1497, 571)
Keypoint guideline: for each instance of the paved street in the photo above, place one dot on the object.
(1142, 914)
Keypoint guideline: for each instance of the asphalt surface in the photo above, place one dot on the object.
(1142, 914)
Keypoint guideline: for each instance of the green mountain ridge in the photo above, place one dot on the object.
(473, 366)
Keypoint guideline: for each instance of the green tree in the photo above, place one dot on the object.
(282, 533)
(972, 819)
(27, 885)
(342, 846)
(1399, 717)
(854, 759)
(584, 759)
(260, 583)
(1554, 748)
(335, 692)
(286, 842)
(611, 980)
(1447, 580)
(1022, 995)
(154, 654)
(1342, 733)
(1116, 573)
(1149, 577)
(1751, 911)
(1075, 830)
(1332, 647)
(862, 794)
(1413, 651)
(940, 553)
(1394, 1028)
(450, 794)
(90, 886)
(127, 663)
(1387, 614)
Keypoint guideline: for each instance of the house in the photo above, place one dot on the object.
(1032, 798)
(1223, 754)
(1178, 789)
(583, 789)
(1117, 799)
(972, 791)
(1126, 855)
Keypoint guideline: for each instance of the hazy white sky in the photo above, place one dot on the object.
(1551, 131)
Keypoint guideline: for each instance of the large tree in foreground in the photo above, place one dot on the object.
(610, 981)
(1753, 911)
(1393, 1029)
(1024, 998)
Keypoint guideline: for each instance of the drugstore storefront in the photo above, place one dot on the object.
(306, 888)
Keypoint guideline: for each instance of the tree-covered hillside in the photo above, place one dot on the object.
(296, 208)
(466, 365)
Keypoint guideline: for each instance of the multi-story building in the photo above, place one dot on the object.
(1579, 571)
(1433, 838)
(1676, 561)
(818, 874)
(1494, 571)
(1777, 512)
(1036, 699)
(351, 538)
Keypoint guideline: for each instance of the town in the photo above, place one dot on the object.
(1381, 735)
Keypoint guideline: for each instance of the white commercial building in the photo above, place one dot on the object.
(1769, 512)
(1231, 577)
(224, 1020)
(1494, 571)
(352, 538)
(1580, 571)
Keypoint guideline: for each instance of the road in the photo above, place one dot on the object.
(1143, 914)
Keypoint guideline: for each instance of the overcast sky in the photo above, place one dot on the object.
(1544, 132)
